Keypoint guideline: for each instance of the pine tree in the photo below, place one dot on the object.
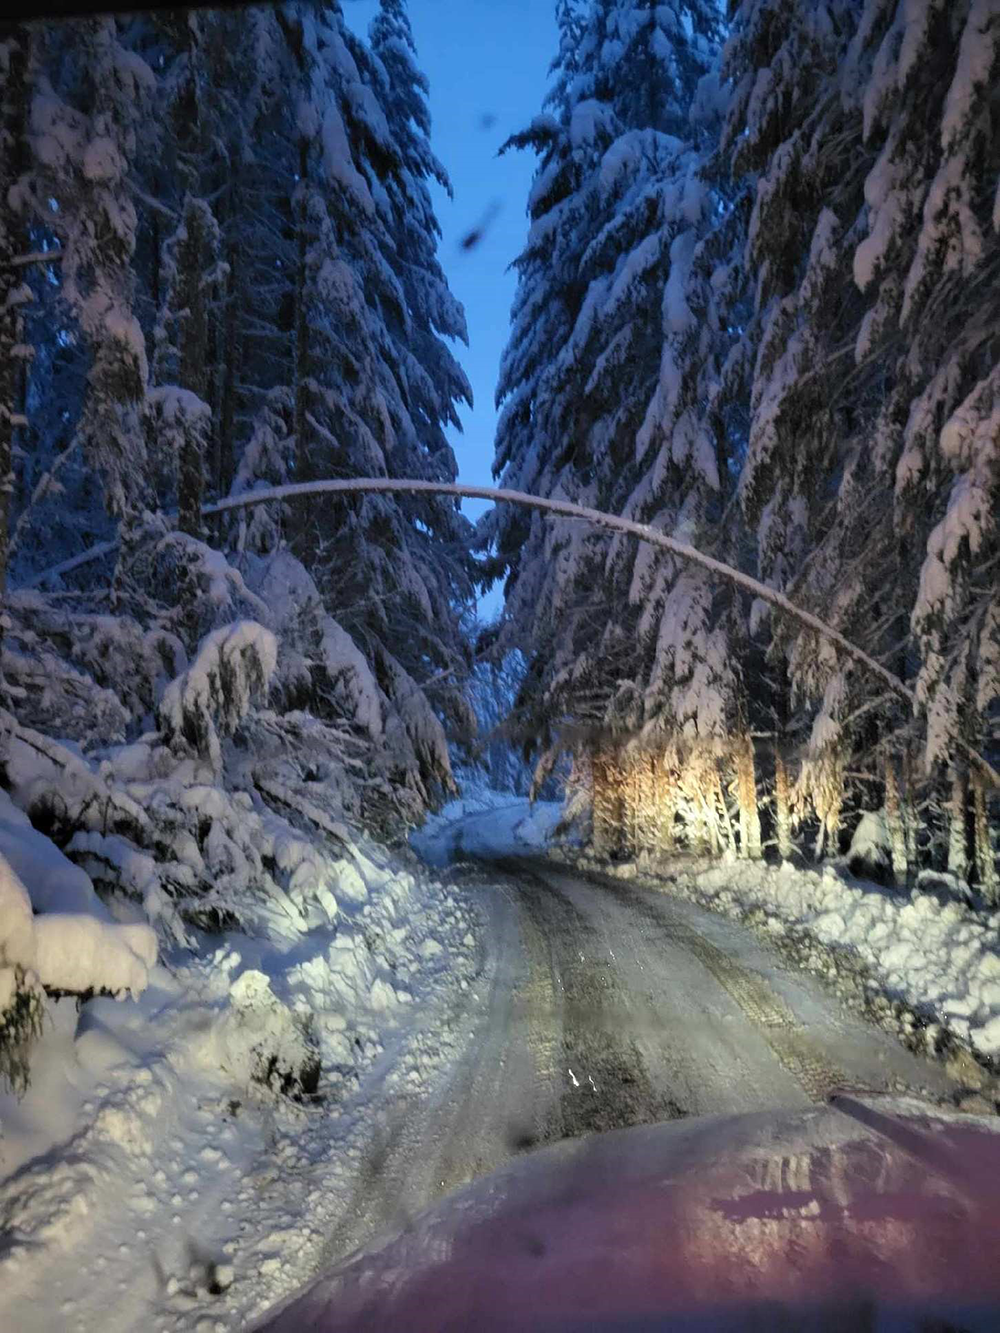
(615, 204)
(83, 193)
(14, 291)
(191, 266)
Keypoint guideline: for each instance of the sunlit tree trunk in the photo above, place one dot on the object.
(986, 870)
(665, 798)
(604, 805)
(910, 814)
(620, 833)
(723, 836)
(782, 807)
(746, 795)
(894, 824)
(648, 785)
(958, 829)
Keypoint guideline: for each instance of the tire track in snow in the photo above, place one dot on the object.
(605, 1083)
(753, 993)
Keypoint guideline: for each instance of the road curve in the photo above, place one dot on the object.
(602, 1005)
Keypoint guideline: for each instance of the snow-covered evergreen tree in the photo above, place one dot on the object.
(209, 322)
(190, 269)
(615, 207)
(85, 146)
(14, 291)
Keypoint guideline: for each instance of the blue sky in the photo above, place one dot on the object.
(487, 62)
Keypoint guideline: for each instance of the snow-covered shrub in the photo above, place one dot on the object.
(128, 666)
(59, 789)
(135, 663)
(75, 952)
(260, 1040)
(232, 669)
(870, 852)
(175, 418)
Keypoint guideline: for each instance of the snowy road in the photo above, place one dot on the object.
(603, 1005)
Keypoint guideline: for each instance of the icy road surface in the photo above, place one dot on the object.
(601, 1006)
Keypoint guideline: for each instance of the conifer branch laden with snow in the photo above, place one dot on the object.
(613, 522)
(232, 669)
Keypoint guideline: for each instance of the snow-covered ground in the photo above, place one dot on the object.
(148, 1178)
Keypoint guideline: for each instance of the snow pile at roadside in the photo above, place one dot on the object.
(936, 955)
(72, 944)
(179, 1160)
(509, 826)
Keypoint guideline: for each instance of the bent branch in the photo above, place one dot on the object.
(563, 509)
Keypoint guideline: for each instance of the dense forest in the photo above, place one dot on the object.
(218, 272)
(757, 309)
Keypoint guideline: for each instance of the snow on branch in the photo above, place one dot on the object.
(565, 509)
(234, 665)
(68, 951)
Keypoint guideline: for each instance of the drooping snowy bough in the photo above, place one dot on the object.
(561, 509)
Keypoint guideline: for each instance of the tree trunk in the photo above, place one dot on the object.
(637, 787)
(617, 771)
(894, 824)
(14, 293)
(746, 795)
(986, 870)
(910, 816)
(604, 805)
(301, 313)
(232, 366)
(782, 807)
(649, 807)
(958, 826)
(193, 368)
(723, 832)
(665, 806)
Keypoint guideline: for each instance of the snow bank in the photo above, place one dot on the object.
(17, 937)
(72, 945)
(79, 953)
(69, 951)
(56, 884)
(153, 1161)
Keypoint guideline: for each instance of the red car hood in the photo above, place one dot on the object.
(869, 1215)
